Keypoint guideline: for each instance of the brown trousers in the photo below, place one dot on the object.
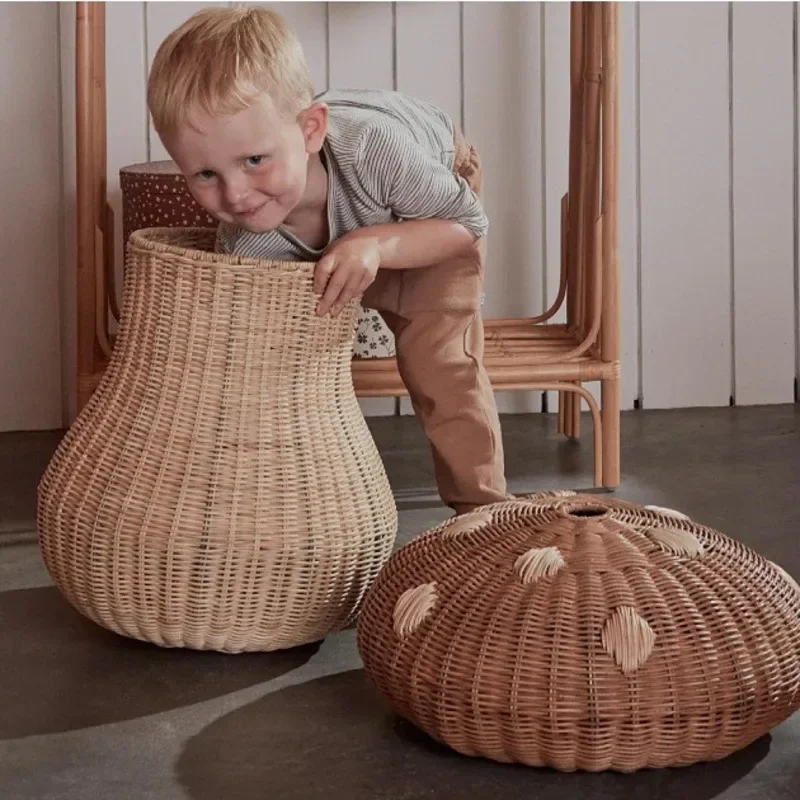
(434, 313)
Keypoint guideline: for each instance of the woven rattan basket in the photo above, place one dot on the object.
(221, 490)
(584, 633)
(155, 195)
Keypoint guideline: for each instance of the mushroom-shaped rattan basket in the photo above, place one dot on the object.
(221, 490)
(584, 633)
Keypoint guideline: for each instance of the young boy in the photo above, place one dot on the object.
(378, 188)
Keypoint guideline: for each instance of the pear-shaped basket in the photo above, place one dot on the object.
(221, 489)
(584, 633)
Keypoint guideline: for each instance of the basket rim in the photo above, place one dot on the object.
(159, 240)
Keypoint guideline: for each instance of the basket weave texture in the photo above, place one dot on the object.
(221, 489)
(584, 633)
(155, 195)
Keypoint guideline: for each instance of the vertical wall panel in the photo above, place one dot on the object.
(628, 204)
(685, 212)
(503, 118)
(30, 216)
(763, 211)
(361, 46)
(429, 54)
(310, 23)
(126, 105)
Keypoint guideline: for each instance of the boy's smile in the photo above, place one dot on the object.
(252, 168)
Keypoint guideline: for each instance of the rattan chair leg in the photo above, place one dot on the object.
(569, 415)
(610, 328)
(576, 415)
(574, 391)
(610, 413)
(562, 415)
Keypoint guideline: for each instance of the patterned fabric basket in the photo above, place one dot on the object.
(155, 195)
(584, 633)
(221, 489)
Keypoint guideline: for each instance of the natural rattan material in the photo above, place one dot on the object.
(584, 633)
(221, 490)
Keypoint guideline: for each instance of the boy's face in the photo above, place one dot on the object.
(248, 168)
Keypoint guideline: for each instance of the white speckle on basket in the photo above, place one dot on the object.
(539, 562)
(677, 541)
(467, 523)
(628, 639)
(413, 607)
(786, 576)
(667, 512)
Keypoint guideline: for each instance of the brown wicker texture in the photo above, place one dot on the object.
(584, 633)
(221, 490)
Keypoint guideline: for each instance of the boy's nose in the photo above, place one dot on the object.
(235, 194)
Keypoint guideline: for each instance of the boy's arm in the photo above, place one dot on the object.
(350, 265)
(398, 173)
(412, 244)
(441, 218)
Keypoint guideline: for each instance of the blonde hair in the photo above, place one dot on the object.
(224, 59)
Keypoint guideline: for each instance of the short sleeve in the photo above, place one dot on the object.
(398, 173)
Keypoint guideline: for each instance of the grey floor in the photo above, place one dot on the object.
(85, 714)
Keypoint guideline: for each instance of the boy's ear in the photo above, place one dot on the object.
(314, 124)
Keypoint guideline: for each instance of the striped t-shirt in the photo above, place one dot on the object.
(388, 157)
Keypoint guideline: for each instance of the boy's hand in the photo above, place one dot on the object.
(345, 272)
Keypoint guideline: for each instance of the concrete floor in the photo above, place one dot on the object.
(84, 713)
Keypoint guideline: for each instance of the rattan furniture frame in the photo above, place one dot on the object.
(521, 354)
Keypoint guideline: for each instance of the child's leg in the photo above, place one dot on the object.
(439, 356)
(434, 314)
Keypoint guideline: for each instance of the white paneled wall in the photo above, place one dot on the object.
(629, 217)
(708, 212)
(685, 204)
(763, 202)
(30, 217)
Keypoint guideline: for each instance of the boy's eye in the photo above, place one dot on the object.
(254, 161)
(205, 175)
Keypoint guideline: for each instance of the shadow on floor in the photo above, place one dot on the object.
(23, 459)
(62, 673)
(336, 734)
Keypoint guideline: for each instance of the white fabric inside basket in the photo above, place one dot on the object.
(373, 337)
